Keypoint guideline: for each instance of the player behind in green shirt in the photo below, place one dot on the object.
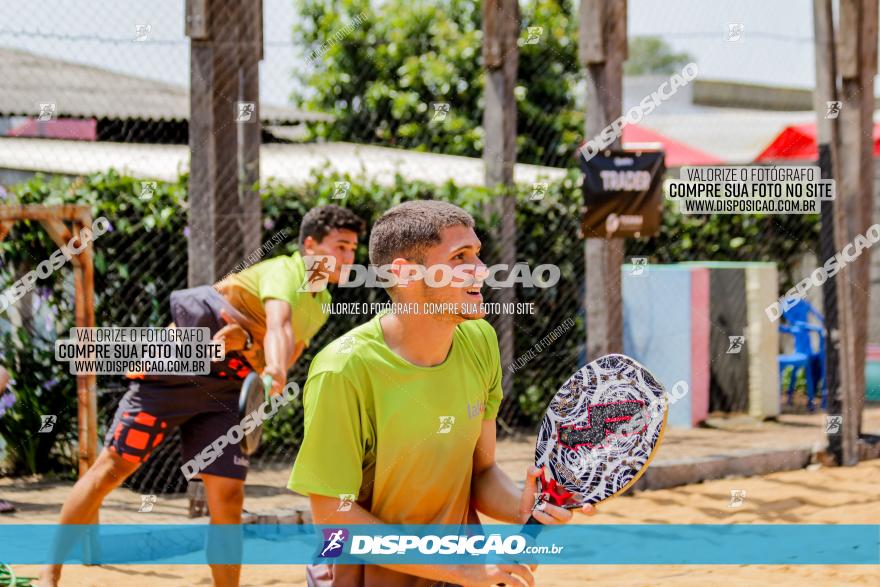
(265, 317)
(400, 411)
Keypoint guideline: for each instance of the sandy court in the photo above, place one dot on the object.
(39, 501)
(812, 496)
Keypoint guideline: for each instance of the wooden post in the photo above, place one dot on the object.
(53, 219)
(84, 310)
(861, 221)
(827, 134)
(249, 56)
(83, 274)
(857, 64)
(224, 210)
(501, 24)
(602, 51)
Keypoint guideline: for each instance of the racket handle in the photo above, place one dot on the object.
(267, 384)
(533, 532)
(532, 527)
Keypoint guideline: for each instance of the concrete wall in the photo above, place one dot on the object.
(752, 96)
(724, 94)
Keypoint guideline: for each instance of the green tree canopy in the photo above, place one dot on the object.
(380, 67)
(652, 55)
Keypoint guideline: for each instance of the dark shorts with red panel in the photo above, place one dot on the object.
(203, 407)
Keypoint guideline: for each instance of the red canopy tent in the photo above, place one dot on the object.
(677, 154)
(798, 143)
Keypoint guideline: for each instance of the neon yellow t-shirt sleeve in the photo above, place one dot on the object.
(493, 402)
(330, 460)
(281, 279)
(282, 284)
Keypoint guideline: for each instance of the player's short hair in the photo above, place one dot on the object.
(318, 222)
(409, 229)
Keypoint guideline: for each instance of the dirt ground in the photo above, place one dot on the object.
(815, 495)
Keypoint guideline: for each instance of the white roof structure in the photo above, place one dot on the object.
(735, 135)
(292, 164)
(83, 91)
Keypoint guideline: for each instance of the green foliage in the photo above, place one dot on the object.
(728, 237)
(144, 258)
(41, 386)
(137, 265)
(550, 123)
(649, 55)
(377, 68)
(800, 382)
(140, 260)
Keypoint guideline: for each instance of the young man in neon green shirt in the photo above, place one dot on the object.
(271, 319)
(400, 412)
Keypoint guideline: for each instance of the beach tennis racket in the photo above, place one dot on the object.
(600, 432)
(254, 391)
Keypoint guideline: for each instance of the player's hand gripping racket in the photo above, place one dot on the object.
(254, 391)
(600, 432)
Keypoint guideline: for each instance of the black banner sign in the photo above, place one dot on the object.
(623, 193)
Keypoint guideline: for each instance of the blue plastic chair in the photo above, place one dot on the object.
(804, 356)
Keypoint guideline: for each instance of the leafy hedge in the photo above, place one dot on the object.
(143, 233)
(144, 258)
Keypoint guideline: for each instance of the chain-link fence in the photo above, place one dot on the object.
(425, 95)
(553, 240)
(139, 264)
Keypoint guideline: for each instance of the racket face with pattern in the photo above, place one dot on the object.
(600, 431)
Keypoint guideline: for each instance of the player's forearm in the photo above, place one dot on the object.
(298, 349)
(496, 495)
(278, 347)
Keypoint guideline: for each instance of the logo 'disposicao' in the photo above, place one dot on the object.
(334, 542)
